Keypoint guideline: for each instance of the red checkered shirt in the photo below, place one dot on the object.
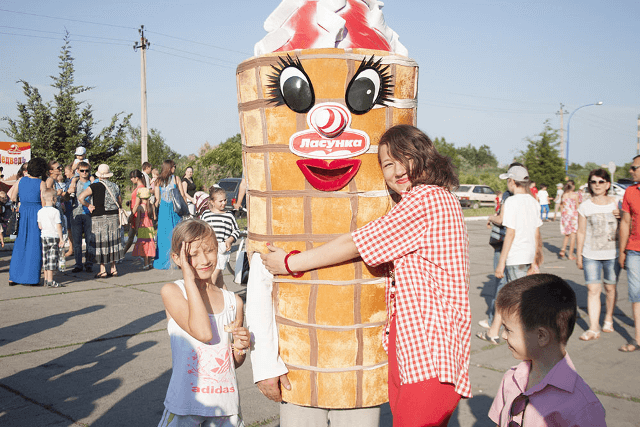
(425, 237)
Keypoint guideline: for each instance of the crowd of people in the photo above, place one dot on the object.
(56, 205)
(601, 233)
(424, 242)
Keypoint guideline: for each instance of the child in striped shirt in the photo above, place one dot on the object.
(226, 229)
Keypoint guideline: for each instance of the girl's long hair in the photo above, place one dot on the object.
(416, 152)
(137, 174)
(165, 174)
(146, 207)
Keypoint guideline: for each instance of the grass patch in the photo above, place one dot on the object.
(478, 212)
(242, 223)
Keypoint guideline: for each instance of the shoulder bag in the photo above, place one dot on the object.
(14, 222)
(123, 217)
(496, 238)
(179, 205)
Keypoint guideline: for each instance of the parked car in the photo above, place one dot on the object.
(624, 183)
(616, 190)
(475, 195)
(232, 186)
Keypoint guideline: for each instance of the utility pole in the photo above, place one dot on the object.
(143, 46)
(561, 113)
(638, 143)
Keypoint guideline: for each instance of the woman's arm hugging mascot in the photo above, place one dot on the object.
(325, 83)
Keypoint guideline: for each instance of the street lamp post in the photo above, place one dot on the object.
(566, 160)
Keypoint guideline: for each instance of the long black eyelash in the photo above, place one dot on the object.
(275, 94)
(386, 87)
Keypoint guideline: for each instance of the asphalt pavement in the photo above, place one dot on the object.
(96, 353)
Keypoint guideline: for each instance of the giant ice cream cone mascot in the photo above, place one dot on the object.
(328, 79)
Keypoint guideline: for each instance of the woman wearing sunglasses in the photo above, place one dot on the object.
(597, 250)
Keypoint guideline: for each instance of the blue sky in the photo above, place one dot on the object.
(491, 72)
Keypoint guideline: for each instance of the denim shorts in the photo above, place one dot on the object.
(593, 269)
(513, 272)
(633, 275)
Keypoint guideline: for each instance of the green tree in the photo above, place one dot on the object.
(157, 149)
(56, 128)
(542, 159)
(478, 157)
(449, 150)
(227, 157)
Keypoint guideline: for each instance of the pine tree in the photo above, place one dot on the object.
(56, 128)
(542, 159)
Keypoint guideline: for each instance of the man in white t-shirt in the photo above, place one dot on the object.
(522, 247)
(521, 250)
(543, 199)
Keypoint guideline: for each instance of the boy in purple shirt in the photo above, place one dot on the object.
(538, 314)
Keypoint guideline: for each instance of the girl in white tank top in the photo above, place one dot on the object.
(208, 340)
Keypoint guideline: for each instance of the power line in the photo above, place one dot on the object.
(66, 19)
(200, 43)
(488, 97)
(57, 32)
(57, 38)
(128, 28)
(475, 108)
(193, 59)
(196, 54)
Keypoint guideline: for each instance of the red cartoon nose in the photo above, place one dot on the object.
(328, 120)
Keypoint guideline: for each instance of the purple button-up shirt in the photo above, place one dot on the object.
(562, 398)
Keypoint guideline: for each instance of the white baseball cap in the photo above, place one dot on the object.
(81, 151)
(516, 173)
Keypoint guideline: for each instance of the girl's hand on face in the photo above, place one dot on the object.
(188, 272)
(274, 260)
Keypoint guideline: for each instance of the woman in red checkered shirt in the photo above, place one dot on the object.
(424, 236)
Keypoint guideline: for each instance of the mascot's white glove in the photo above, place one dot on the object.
(261, 322)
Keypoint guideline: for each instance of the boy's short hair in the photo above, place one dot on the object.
(83, 164)
(213, 190)
(49, 194)
(146, 165)
(541, 300)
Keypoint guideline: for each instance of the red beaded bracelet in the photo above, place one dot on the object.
(286, 265)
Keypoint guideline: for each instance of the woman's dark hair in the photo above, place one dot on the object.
(185, 171)
(50, 165)
(138, 174)
(600, 173)
(569, 185)
(23, 167)
(540, 300)
(165, 173)
(38, 168)
(415, 151)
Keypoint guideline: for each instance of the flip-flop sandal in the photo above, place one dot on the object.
(102, 275)
(485, 337)
(625, 348)
(607, 327)
(561, 254)
(590, 335)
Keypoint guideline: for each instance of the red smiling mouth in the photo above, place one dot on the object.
(329, 175)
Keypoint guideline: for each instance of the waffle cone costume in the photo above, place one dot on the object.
(310, 119)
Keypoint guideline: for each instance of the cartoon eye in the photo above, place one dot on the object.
(290, 85)
(371, 85)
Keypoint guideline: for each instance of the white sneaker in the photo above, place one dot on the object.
(484, 323)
